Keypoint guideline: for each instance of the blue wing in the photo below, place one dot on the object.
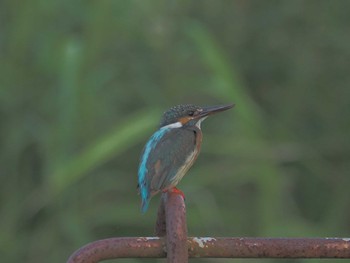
(165, 152)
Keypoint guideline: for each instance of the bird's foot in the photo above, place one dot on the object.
(177, 191)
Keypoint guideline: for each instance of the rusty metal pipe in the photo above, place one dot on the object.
(130, 247)
(176, 228)
(269, 247)
(177, 247)
(160, 228)
(215, 247)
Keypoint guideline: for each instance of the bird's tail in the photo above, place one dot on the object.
(145, 204)
(145, 197)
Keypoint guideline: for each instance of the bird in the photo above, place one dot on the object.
(172, 149)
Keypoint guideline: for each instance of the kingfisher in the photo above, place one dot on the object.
(172, 150)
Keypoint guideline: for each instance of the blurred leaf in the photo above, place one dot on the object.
(124, 136)
(249, 117)
(277, 164)
(227, 85)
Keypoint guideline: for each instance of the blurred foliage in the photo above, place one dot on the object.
(83, 85)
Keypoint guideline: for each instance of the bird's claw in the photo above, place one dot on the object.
(177, 191)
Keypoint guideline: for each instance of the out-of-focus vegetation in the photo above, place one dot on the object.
(83, 85)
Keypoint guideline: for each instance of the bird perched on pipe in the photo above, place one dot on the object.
(172, 149)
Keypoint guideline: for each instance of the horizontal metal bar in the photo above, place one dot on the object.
(215, 247)
(270, 247)
(123, 247)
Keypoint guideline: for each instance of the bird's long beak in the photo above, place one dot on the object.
(206, 111)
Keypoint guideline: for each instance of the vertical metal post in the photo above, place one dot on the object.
(160, 228)
(176, 228)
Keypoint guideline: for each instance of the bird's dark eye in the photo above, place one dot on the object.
(190, 113)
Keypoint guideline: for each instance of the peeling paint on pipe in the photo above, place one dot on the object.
(218, 247)
(172, 242)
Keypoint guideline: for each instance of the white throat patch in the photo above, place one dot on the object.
(173, 125)
(198, 124)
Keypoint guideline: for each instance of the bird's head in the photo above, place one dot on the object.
(188, 115)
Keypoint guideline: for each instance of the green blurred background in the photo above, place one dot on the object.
(83, 85)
